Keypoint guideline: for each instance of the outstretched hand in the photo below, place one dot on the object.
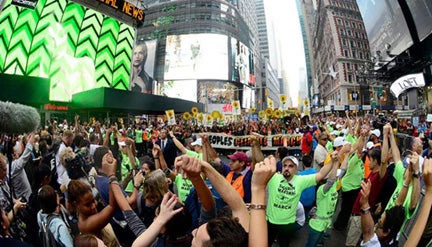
(365, 191)
(167, 208)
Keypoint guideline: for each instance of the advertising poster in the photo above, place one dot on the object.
(196, 56)
(143, 63)
(185, 89)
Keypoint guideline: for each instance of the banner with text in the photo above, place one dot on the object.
(272, 142)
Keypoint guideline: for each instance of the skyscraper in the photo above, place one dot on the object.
(339, 48)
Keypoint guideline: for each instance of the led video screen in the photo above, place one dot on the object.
(216, 92)
(242, 63)
(142, 71)
(75, 47)
(196, 56)
(421, 11)
(182, 89)
(385, 24)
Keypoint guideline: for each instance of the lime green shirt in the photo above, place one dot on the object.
(183, 187)
(351, 139)
(326, 204)
(284, 197)
(138, 136)
(354, 175)
(329, 146)
(112, 139)
(194, 154)
(126, 167)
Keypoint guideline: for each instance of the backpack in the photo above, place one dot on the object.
(46, 236)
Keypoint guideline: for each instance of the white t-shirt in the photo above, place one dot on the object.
(320, 155)
(373, 242)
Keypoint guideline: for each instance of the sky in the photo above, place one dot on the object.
(284, 16)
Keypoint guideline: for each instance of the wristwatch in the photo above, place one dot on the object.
(416, 174)
(365, 211)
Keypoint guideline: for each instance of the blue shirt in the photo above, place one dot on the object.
(247, 181)
(308, 195)
(102, 185)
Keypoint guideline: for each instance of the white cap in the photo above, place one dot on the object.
(197, 142)
(292, 158)
(338, 126)
(339, 141)
(376, 132)
(369, 145)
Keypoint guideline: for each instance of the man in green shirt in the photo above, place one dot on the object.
(139, 141)
(284, 195)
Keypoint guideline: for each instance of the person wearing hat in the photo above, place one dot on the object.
(197, 145)
(284, 191)
(351, 181)
(238, 174)
(374, 137)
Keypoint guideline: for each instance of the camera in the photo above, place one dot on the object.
(77, 167)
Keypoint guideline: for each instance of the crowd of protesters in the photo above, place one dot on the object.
(148, 184)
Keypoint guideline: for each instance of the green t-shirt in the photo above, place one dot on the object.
(330, 128)
(326, 204)
(351, 139)
(126, 167)
(354, 175)
(112, 139)
(329, 146)
(194, 154)
(138, 136)
(284, 197)
(183, 187)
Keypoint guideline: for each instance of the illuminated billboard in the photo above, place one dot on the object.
(184, 89)
(75, 47)
(241, 63)
(421, 11)
(385, 24)
(216, 92)
(143, 63)
(196, 56)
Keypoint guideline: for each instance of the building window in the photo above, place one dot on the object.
(339, 21)
(355, 66)
(354, 25)
(346, 53)
(360, 26)
(350, 78)
(354, 54)
(359, 44)
(361, 55)
(347, 23)
(349, 32)
(352, 43)
(344, 42)
(342, 32)
(363, 36)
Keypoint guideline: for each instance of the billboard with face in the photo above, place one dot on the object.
(142, 72)
(196, 56)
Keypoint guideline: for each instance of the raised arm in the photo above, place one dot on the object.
(385, 150)
(192, 169)
(258, 224)
(423, 216)
(333, 172)
(166, 213)
(178, 144)
(325, 170)
(211, 152)
(394, 147)
(415, 194)
(367, 222)
(257, 155)
(229, 195)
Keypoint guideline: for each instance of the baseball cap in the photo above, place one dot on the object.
(292, 158)
(240, 156)
(345, 132)
(338, 126)
(369, 145)
(197, 142)
(376, 132)
(339, 141)
(334, 132)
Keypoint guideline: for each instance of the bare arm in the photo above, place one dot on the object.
(257, 155)
(229, 195)
(384, 151)
(415, 194)
(423, 216)
(367, 223)
(178, 144)
(258, 224)
(325, 170)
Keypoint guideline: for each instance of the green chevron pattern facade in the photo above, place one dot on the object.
(76, 47)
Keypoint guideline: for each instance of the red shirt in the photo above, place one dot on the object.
(376, 185)
(306, 145)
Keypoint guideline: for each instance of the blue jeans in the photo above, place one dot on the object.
(314, 237)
